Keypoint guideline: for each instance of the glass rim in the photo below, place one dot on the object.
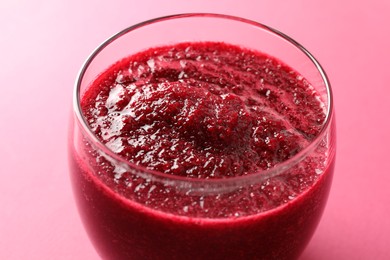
(202, 184)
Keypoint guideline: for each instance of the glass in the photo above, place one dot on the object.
(214, 218)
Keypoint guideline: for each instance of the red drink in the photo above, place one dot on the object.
(202, 150)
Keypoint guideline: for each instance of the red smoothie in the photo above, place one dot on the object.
(201, 113)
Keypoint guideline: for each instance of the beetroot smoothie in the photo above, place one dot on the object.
(203, 113)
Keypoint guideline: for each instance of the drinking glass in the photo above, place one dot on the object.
(206, 218)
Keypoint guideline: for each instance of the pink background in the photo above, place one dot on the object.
(43, 44)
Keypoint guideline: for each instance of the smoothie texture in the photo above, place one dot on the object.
(201, 111)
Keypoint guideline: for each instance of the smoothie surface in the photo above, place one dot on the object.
(203, 110)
